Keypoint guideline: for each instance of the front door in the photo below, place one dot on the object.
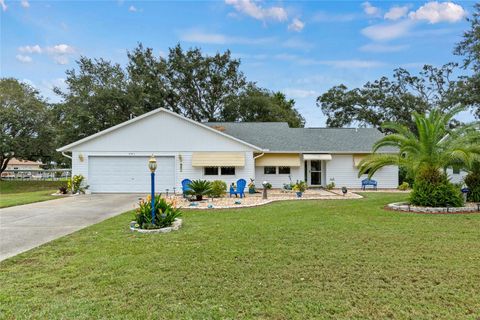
(313, 172)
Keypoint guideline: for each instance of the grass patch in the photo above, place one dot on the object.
(13, 193)
(344, 259)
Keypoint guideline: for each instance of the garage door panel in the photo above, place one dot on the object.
(129, 174)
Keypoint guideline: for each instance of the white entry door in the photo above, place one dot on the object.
(129, 174)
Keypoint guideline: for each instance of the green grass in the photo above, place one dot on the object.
(344, 259)
(13, 193)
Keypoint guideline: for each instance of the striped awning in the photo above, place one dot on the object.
(278, 160)
(218, 159)
(315, 156)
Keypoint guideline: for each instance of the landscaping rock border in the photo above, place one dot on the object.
(177, 223)
(406, 207)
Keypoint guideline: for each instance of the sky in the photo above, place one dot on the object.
(300, 48)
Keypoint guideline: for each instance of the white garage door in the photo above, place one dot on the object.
(129, 174)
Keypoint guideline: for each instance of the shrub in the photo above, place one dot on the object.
(199, 188)
(404, 186)
(330, 186)
(432, 189)
(75, 184)
(63, 189)
(267, 185)
(300, 186)
(472, 180)
(165, 213)
(218, 189)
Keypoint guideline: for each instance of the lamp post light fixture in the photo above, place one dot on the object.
(152, 165)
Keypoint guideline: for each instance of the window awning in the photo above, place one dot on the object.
(278, 160)
(357, 158)
(314, 156)
(218, 159)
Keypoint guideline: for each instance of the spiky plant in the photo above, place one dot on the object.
(199, 188)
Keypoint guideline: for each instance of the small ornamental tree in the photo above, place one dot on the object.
(427, 153)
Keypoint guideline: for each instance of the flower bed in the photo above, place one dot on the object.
(177, 223)
(406, 207)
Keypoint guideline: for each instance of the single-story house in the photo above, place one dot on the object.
(115, 160)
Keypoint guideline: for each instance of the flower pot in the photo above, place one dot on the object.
(299, 194)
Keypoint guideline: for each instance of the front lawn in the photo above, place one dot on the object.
(14, 192)
(337, 259)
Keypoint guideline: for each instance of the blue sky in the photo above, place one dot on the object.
(300, 48)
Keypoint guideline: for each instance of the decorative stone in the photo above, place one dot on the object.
(406, 207)
(177, 224)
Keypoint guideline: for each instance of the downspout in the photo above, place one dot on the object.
(66, 155)
(260, 155)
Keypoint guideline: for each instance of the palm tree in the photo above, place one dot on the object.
(434, 147)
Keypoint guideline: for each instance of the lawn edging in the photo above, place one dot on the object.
(406, 207)
(177, 224)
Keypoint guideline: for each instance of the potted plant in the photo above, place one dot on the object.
(199, 188)
(251, 186)
(299, 188)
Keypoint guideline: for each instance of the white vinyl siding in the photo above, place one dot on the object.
(344, 174)
(278, 180)
(188, 172)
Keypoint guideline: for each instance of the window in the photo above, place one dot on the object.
(269, 170)
(211, 171)
(456, 170)
(284, 170)
(227, 171)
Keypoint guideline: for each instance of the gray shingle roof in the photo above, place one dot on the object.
(278, 136)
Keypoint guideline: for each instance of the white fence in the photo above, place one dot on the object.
(49, 174)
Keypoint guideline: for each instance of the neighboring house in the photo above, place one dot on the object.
(23, 166)
(115, 160)
(17, 164)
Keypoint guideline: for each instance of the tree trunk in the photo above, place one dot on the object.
(3, 163)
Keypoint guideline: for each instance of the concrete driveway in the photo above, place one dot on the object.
(28, 226)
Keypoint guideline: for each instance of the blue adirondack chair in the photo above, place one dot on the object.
(241, 184)
(186, 186)
(369, 182)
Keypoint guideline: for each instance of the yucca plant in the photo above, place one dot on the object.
(199, 188)
(432, 149)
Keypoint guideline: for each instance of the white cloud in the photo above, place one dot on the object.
(346, 64)
(23, 59)
(396, 13)
(299, 93)
(132, 9)
(61, 59)
(435, 12)
(376, 47)
(331, 17)
(349, 64)
(61, 49)
(388, 31)
(253, 10)
(25, 4)
(297, 43)
(296, 25)
(3, 5)
(30, 49)
(198, 36)
(369, 9)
